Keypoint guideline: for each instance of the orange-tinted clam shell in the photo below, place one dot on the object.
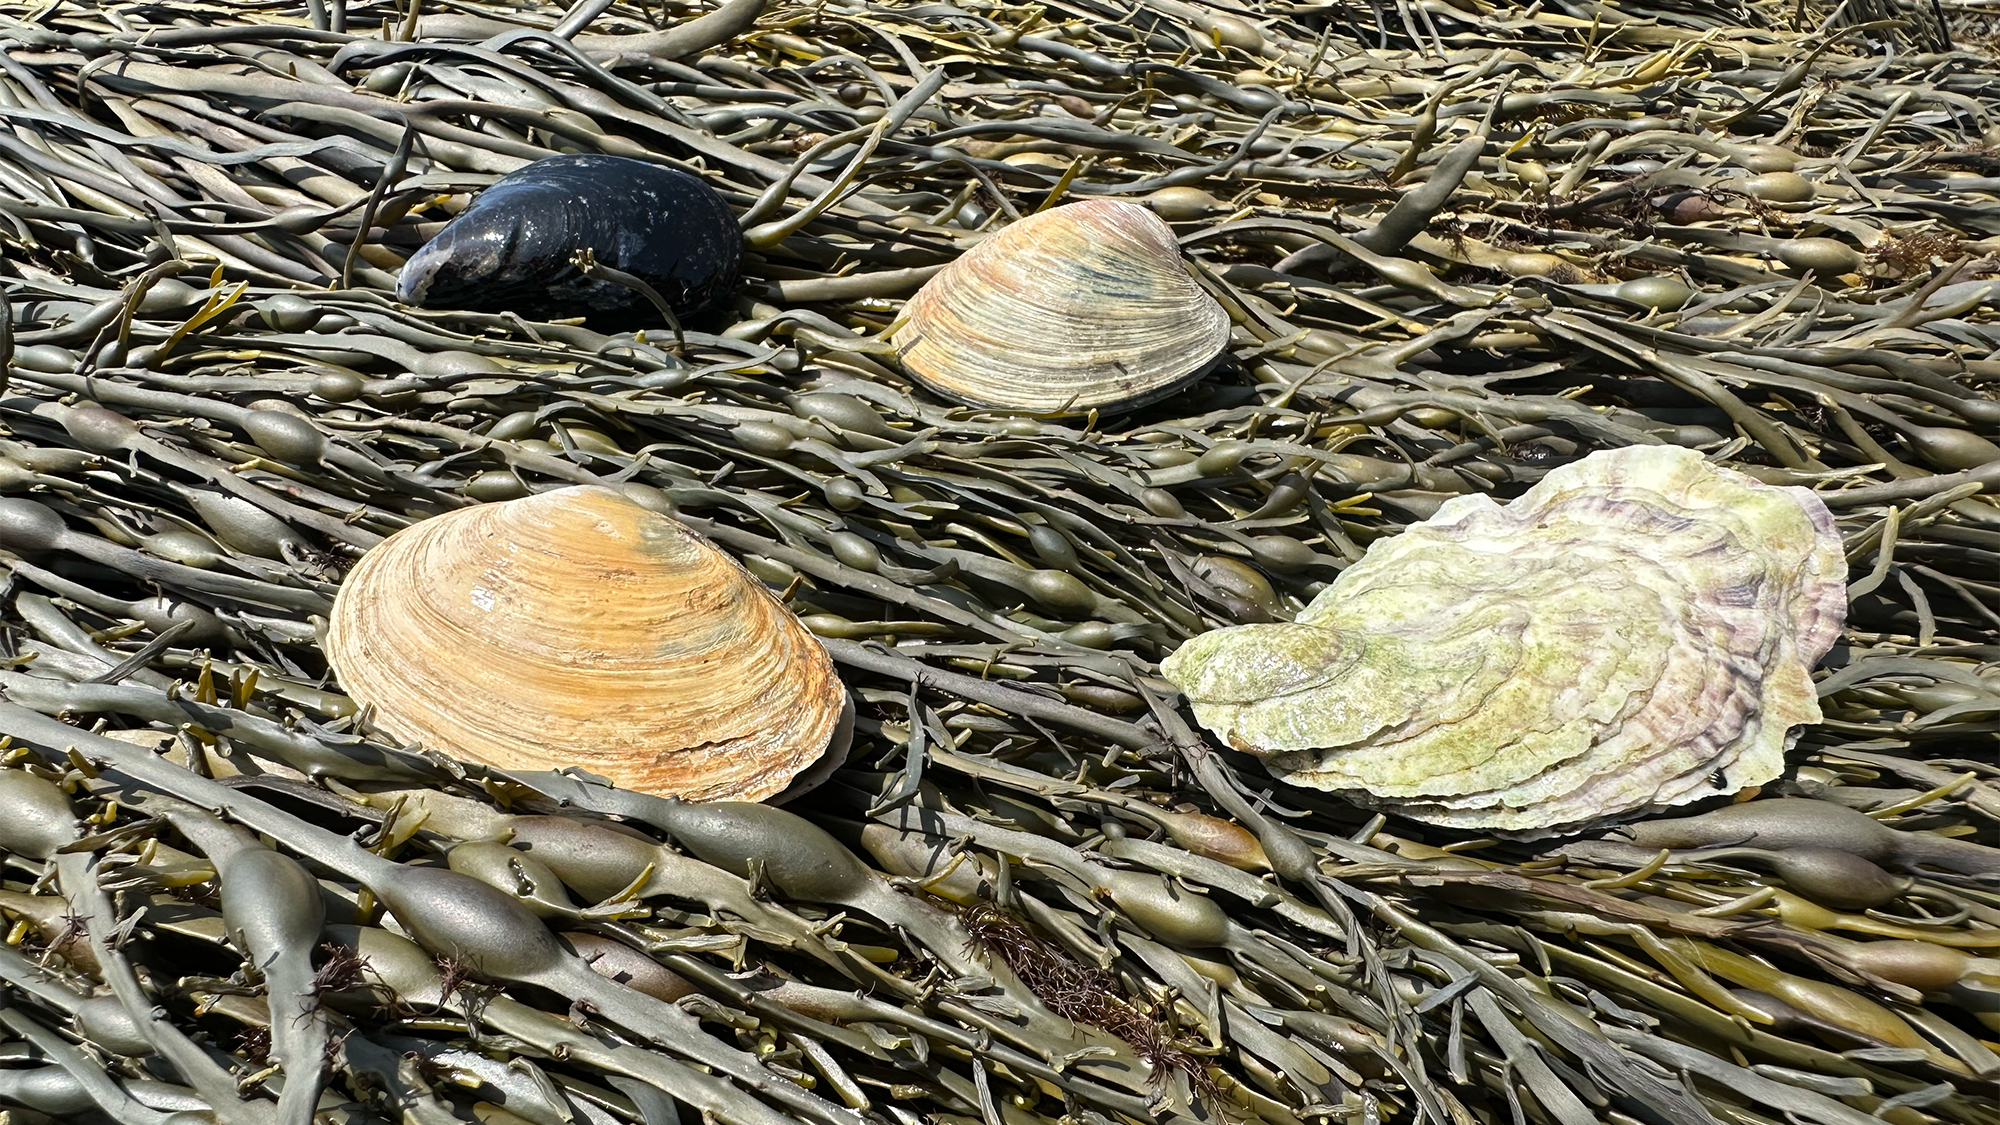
(576, 628)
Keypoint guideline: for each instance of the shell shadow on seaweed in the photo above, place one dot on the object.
(512, 250)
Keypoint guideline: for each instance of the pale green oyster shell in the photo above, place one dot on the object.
(1637, 631)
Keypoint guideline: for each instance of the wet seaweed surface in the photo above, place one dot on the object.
(1460, 243)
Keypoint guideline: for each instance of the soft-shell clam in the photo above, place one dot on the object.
(1082, 307)
(576, 628)
(1636, 631)
(513, 249)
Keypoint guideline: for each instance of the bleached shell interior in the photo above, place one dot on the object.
(1082, 306)
(1637, 630)
(576, 628)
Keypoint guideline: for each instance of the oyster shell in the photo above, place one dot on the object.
(1636, 631)
(512, 249)
(576, 628)
(1081, 307)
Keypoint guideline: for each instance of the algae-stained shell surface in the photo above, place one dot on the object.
(576, 628)
(1081, 307)
(512, 249)
(1636, 631)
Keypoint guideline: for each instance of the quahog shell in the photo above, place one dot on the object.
(1081, 307)
(576, 628)
(512, 249)
(1636, 631)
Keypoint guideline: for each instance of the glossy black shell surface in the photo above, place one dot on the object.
(511, 250)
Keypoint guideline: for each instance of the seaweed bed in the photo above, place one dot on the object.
(1460, 242)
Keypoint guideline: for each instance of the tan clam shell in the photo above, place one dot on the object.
(576, 628)
(1079, 307)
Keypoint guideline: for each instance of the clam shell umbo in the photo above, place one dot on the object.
(512, 250)
(576, 628)
(1081, 307)
(1636, 631)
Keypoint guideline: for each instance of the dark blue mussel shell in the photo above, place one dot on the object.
(510, 251)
